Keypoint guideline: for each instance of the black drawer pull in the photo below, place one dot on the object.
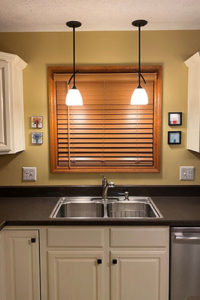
(33, 240)
(99, 261)
(114, 261)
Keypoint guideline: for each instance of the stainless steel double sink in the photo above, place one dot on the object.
(90, 207)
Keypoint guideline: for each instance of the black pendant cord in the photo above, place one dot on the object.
(139, 24)
(139, 31)
(139, 50)
(74, 63)
(73, 25)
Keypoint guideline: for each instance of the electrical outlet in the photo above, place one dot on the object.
(29, 173)
(187, 173)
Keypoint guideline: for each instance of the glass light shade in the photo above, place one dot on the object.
(73, 97)
(139, 97)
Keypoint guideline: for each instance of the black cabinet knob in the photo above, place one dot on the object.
(33, 240)
(114, 261)
(99, 261)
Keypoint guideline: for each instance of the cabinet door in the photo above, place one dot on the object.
(5, 108)
(139, 275)
(2, 268)
(22, 265)
(75, 275)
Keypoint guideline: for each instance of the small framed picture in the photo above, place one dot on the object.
(37, 138)
(37, 122)
(174, 137)
(175, 118)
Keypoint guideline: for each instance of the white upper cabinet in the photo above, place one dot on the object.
(193, 127)
(12, 137)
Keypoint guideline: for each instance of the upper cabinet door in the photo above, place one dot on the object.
(139, 275)
(193, 116)
(22, 265)
(5, 109)
(76, 275)
(12, 138)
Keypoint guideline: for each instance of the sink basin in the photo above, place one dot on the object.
(78, 208)
(91, 207)
(140, 208)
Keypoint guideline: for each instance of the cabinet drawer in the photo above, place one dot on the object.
(139, 237)
(75, 237)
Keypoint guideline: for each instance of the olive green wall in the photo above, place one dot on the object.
(39, 50)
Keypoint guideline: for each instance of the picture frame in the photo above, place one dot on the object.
(37, 122)
(37, 138)
(175, 118)
(174, 137)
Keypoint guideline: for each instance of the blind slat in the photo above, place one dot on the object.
(96, 140)
(100, 150)
(111, 136)
(135, 130)
(64, 155)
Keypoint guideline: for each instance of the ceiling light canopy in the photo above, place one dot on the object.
(73, 96)
(139, 96)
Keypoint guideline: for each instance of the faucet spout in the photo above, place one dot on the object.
(106, 185)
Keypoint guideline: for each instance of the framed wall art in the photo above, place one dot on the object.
(174, 137)
(175, 118)
(37, 122)
(37, 138)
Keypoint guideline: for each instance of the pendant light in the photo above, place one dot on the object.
(139, 96)
(73, 96)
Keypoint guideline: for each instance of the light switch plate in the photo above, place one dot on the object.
(186, 173)
(29, 173)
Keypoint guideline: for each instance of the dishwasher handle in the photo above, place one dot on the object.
(180, 237)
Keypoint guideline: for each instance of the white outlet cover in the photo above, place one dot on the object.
(186, 173)
(29, 173)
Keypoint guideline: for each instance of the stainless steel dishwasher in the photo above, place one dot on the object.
(185, 263)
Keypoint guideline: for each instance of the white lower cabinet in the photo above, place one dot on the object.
(22, 272)
(75, 275)
(2, 267)
(139, 275)
(139, 263)
(87, 263)
(133, 263)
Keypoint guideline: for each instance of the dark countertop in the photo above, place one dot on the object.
(16, 211)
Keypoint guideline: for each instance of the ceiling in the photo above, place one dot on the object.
(51, 15)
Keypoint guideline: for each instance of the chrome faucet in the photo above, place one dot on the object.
(106, 185)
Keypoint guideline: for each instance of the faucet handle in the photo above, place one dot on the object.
(125, 194)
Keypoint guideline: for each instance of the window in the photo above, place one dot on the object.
(106, 133)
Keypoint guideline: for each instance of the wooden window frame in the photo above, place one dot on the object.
(55, 168)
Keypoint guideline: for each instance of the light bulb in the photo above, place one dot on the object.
(73, 97)
(139, 97)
